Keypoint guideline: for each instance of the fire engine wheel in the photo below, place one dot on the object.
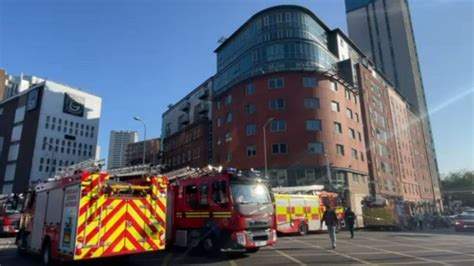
(46, 253)
(303, 229)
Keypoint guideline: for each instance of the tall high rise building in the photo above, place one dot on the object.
(118, 144)
(44, 126)
(383, 31)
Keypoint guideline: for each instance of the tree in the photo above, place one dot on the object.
(458, 180)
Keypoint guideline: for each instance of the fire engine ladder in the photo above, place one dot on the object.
(299, 189)
(188, 172)
(90, 165)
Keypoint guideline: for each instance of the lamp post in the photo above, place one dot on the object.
(265, 144)
(328, 170)
(144, 135)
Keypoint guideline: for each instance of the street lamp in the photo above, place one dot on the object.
(265, 144)
(144, 135)
(328, 170)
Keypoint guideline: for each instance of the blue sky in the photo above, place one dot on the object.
(142, 55)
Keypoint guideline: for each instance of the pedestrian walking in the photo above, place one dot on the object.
(330, 218)
(419, 219)
(349, 217)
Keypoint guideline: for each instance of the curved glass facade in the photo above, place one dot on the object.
(282, 39)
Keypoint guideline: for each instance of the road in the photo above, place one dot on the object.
(376, 248)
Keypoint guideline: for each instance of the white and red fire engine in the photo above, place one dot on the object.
(85, 214)
(219, 210)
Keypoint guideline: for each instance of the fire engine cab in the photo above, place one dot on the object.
(219, 210)
(84, 213)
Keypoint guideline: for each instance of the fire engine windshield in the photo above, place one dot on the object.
(247, 193)
(11, 208)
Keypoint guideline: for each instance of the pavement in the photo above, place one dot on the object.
(440, 247)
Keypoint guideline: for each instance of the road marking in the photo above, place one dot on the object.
(232, 263)
(397, 253)
(427, 248)
(316, 255)
(452, 261)
(288, 257)
(334, 252)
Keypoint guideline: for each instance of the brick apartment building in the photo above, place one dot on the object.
(286, 81)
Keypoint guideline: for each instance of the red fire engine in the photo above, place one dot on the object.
(85, 214)
(219, 210)
(10, 207)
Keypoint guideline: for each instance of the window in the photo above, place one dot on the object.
(250, 89)
(251, 151)
(355, 178)
(16, 133)
(335, 106)
(251, 130)
(349, 113)
(311, 103)
(333, 86)
(357, 117)
(354, 154)
(278, 125)
(228, 99)
(338, 127)
(279, 149)
(218, 105)
(359, 135)
(228, 137)
(340, 149)
(310, 82)
(192, 195)
(315, 148)
(219, 122)
(276, 83)
(219, 192)
(13, 152)
(277, 104)
(347, 94)
(203, 195)
(228, 118)
(313, 125)
(250, 109)
(228, 156)
(352, 133)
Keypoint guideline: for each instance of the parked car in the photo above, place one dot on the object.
(464, 221)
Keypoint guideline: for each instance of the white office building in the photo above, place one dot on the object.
(42, 128)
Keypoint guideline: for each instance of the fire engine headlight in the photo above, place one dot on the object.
(240, 239)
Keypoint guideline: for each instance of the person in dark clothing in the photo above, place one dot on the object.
(330, 218)
(349, 217)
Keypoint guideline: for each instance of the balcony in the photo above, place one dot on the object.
(203, 95)
(204, 109)
(185, 107)
(183, 120)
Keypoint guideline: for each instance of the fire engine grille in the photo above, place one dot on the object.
(260, 237)
(257, 223)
